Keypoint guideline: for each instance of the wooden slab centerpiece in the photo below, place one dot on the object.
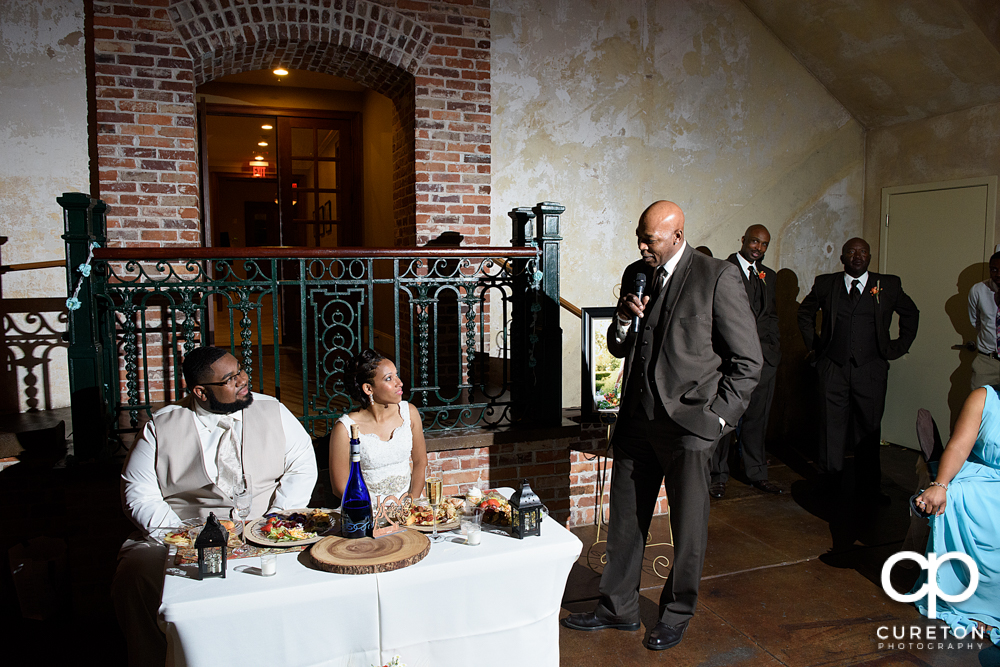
(369, 555)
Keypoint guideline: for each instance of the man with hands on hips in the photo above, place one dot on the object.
(689, 370)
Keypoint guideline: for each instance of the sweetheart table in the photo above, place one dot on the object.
(492, 605)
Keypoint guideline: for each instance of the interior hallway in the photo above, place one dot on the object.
(771, 594)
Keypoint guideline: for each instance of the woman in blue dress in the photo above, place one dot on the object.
(964, 504)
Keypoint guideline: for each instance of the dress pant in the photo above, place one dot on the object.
(136, 591)
(985, 370)
(853, 401)
(648, 453)
(752, 432)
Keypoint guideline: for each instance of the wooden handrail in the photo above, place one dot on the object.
(27, 266)
(571, 307)
(306, 253)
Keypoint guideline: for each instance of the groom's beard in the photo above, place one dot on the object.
(220, 408)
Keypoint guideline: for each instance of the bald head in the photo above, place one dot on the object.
(755, 241)
(660, 233)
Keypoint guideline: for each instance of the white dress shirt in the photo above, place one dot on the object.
(983, 315)
(144, 502)
(745, 266)
(862, 281)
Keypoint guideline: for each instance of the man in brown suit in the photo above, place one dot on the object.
(183, 465)
(690, 369)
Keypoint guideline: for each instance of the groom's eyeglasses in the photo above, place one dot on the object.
(229, 382)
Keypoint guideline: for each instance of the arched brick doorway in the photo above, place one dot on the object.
(433, 62)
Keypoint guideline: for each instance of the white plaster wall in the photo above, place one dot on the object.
(43, 141)
(608, 106)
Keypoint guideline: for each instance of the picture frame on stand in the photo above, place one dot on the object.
(600, 381)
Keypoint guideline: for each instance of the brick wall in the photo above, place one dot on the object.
(564, 472)
(430, 57)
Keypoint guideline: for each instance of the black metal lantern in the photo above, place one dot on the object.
(211, 546)
(525, 512)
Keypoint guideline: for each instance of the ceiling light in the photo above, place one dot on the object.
(280, 71)
(259, 158)
(262, 142)
(267, 127)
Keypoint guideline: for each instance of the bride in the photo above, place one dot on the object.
(390, 428)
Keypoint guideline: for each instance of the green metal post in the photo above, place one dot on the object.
(83, 219)
(550, 336)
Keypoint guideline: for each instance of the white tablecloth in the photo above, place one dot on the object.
(496, 604)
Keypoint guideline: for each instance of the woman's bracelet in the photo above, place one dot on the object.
(943, 486)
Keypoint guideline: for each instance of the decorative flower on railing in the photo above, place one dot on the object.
(73, 303)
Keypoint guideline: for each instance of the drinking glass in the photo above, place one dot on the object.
(472, 525)
(433, 488)
(242, 499)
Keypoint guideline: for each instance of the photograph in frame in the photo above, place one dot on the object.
(601, 377)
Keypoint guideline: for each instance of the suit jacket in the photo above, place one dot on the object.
(706, 366)
(765, 311)
(825, 296)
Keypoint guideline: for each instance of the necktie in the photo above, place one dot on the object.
(996, 299)
(659, 280)
(855, 290)
(227, 457)
(754, 286)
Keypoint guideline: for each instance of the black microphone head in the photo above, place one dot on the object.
(640, 283)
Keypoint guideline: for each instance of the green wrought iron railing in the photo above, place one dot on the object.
(474, 331)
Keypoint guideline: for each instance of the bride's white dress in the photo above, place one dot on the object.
(386, 463)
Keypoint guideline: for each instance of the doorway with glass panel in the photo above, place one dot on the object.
(279, 178)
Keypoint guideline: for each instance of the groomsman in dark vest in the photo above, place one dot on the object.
(853, 350)
(758, 281)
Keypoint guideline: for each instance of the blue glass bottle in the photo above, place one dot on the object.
(356, 509)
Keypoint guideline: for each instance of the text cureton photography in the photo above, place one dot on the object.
(928, 637)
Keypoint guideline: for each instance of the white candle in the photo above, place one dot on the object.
(269, 564)
(472, 535)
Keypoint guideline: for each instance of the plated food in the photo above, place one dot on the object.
(290, 528)
(184, 536)
(421, 517)
(496, 509)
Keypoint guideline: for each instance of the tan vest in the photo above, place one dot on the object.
(180, 460)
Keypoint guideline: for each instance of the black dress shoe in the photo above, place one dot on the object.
(717, 489)
(589, 621)
(665, 636)
(766, 487)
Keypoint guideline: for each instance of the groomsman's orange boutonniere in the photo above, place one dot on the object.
(876, 290)
(762, 275)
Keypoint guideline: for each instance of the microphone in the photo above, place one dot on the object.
(640, 287)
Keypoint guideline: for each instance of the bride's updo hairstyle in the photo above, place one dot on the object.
(361, 370)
